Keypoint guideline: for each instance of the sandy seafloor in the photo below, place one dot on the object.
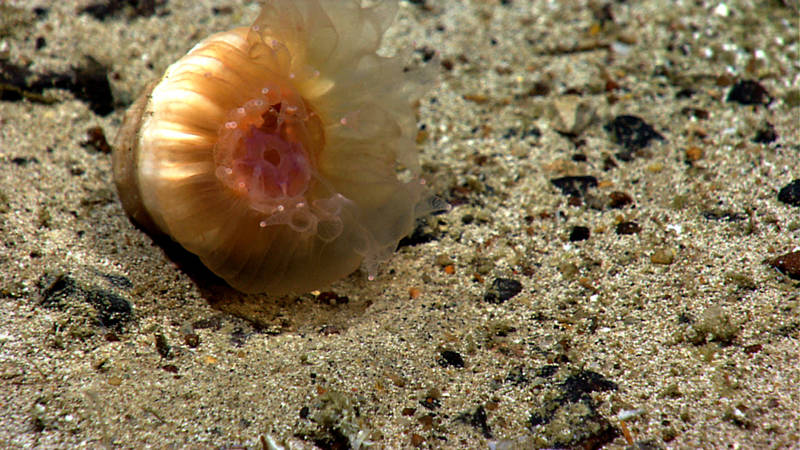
(677, 336)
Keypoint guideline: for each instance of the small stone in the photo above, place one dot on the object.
(162, 346)
(665, 256)
(579, 233)
(632, 133)
(571, 114)
(628, 228)
(766, 134)
(574, 186)
(444, 260)
(694, 153)
(619, 199)
(449, 358)
(502, 289)
(790, 194)
(753, 348)
(112, 309)
(748, 92)
(740, 280)
(788, 264)
(716, 325)
(96, 140)
(568, 270)
(191, 339)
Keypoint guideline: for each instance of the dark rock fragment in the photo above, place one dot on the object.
(766, 135)
(162, 346)
(748, 92)
(788, 264)
(112, 309)
(790, 194)
(449, 358)
(96, 140)
(579, 233)
(628, 228)
(502, 289)
(632, 133)
(619, 199)
(23, 161)
(574, 186)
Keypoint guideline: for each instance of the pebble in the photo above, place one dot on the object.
(574, 186)
(766, 134)
(502, 289)
(628, 228)
(790, 194)
(748, 92)
(579, 233)
(789, 264)
(96, 140)
(449, 358)
(694, 153)
(665, 256)
(632, 133)
(571, 114)
(715, 324)
(619, 199)
(112, 309)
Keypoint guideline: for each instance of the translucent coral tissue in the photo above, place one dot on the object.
(273, 152)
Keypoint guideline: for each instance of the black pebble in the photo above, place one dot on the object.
(632, 133)
(748, 92)
(112, 309)
(574, 186)
(628, 228)
(449, 358)
(766, 134)
(579, 233)
(790, 194)
(502, 289)
(619, 199)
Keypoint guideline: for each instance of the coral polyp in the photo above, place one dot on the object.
(273, 152)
